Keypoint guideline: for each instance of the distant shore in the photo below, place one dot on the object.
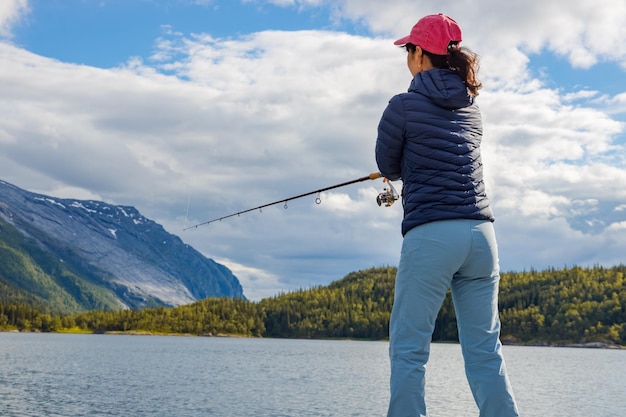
(587, 345)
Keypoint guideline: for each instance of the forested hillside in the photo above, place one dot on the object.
(31, 273)
(570, 305)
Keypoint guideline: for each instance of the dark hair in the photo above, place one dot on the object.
(460, 60)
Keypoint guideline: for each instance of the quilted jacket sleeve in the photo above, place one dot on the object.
(390, 141)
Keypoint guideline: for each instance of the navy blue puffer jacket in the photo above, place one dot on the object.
(429, 137)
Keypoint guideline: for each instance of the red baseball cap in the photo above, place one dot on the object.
(433, 33)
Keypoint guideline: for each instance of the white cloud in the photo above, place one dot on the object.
(261, 283)
(11, 11)
(585, 32)
(619, 226)
(229, 124)
(583, 94)
(69, 192)
(616, 105)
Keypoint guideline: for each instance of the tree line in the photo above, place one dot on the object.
(569, 305)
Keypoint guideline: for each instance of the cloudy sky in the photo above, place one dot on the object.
(193, 109)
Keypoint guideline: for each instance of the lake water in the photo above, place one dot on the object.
(107, 375)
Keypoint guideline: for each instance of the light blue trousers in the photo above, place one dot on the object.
(461, 255)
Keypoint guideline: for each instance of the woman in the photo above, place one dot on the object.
(430, 138)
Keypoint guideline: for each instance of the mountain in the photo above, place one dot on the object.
(74, 255)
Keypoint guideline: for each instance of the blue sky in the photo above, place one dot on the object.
(107, 33)
(191, 110)
(558, 73)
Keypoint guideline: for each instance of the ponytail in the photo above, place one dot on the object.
(461, 60)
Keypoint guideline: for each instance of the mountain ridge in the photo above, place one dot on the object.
(89, 248)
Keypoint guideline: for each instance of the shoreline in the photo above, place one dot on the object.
(505, 342)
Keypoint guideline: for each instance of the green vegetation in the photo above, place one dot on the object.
(570, 305)
(32, 275)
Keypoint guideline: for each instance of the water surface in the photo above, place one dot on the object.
(110, 375)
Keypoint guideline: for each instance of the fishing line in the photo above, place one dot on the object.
(188, 204)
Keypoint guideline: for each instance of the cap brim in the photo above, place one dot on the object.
(402, 41)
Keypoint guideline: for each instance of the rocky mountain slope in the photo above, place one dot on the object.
(85, 254)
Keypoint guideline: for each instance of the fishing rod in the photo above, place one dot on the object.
(387, 197)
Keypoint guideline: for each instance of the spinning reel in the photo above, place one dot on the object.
(388, 196)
